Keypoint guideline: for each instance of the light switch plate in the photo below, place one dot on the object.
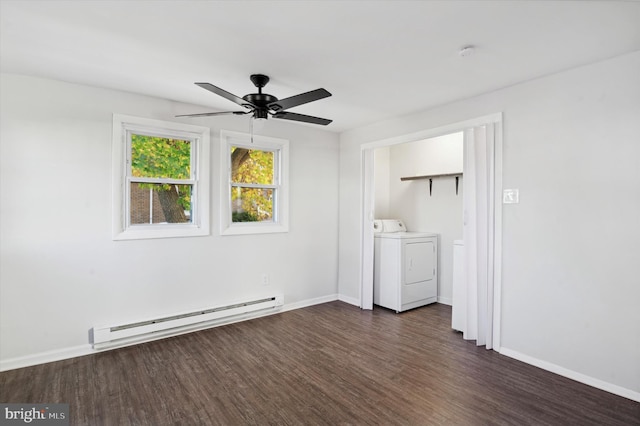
(510, 196)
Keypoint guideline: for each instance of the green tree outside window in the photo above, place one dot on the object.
(256, 168)
(157, 157)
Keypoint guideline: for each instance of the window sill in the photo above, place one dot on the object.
(166, 231)
(248, 228)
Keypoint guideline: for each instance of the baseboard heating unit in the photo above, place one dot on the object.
(150, 329)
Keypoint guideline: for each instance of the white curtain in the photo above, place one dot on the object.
(478, 201)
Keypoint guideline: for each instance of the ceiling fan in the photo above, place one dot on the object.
(261, 105)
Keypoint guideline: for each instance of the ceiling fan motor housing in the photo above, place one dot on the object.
(260, 100)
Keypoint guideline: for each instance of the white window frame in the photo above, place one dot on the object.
(280, 185)
(123, 126)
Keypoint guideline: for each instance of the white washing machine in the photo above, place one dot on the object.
(405, 266)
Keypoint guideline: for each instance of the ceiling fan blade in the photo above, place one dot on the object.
(226, 95)
(209, 114)
(301, 117)
(300, 99)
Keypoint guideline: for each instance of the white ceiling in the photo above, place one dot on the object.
(380, 59)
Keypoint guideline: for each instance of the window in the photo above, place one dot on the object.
(254, 184)
(161, 179)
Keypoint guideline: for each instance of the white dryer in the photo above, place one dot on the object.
(405, 266)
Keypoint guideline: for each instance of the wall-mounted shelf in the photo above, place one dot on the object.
(431, 177)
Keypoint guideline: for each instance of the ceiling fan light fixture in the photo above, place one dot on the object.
(260, 114)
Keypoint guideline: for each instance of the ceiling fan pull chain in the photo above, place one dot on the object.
(251, 127)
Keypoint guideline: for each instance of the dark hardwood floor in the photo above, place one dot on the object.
(329, 364)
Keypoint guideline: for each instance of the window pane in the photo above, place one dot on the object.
(157, 157)
(160, 203)
(251, 204)
(251, 166)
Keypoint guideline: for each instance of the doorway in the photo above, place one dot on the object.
(490, 178)
(421, 183)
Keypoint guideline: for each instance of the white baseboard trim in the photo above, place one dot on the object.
(44, 357)
(573, 375)
(445, 300)
(309, 302)
(82, 350)
(350, 300)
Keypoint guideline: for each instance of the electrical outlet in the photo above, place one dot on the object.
(265, 279)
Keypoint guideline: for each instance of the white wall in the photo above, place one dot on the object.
(382, 183)
(410, 201)
(61, 273)
(571, 286)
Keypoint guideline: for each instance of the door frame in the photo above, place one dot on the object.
(367, 198)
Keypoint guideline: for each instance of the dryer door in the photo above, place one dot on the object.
(419, 261)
